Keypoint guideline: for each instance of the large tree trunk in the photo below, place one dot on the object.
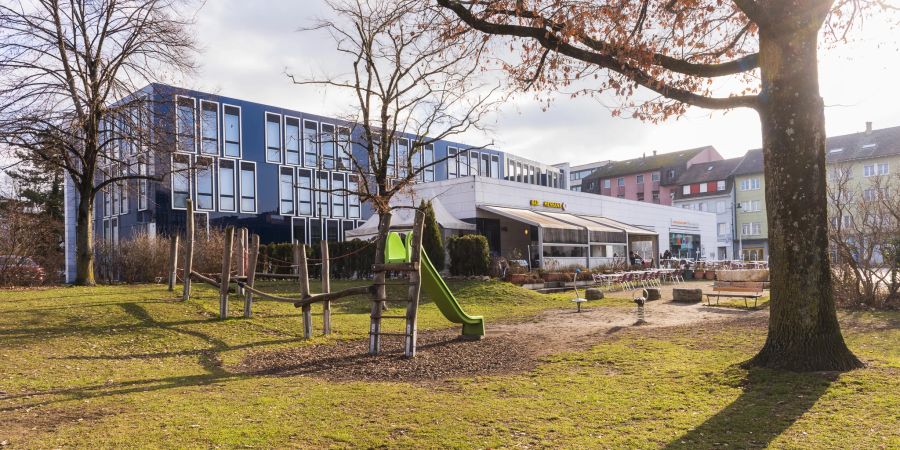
(804, 334)
(84, 239)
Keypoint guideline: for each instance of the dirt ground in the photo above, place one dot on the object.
(507, 348)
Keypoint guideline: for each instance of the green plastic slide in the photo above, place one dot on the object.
(398, 251)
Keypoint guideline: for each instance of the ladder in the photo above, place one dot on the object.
(409, 269)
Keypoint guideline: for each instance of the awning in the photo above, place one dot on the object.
(403, 218)
(530, 217)
(630, 229)
(581, 222)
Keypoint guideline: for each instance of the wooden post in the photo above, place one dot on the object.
(300, 261)
(326, 288)
(415, 285)
(173, 261)
(296, 258)
(241, 262)
(226, 272)
(251, 275)
(188, 250)
(380, 289)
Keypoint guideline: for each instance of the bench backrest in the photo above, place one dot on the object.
(737, 289)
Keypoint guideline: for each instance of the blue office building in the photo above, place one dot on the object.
(284, 174)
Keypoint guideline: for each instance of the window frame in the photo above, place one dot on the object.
(195, 172)
(240, 177)
(452, 162)
(324, 140)
(284, 138)
(310, 189)
(173, 174)
(218, 128)
(235, 194)
(292, 189)
(335, 194)
(178, 125)
(266, 123)
(340, 133)
(314, 141)
(240, 141)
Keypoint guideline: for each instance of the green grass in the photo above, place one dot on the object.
(127, 367)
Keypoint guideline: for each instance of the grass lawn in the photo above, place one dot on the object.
(129, 366)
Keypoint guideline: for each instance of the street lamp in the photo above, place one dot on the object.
(737, 209)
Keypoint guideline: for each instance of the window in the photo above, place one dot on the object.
(474, 161)
(671, 173)
(403, 157)
(353, 197)
(232, 131)
(328, 146)
(870, 194)
(531, 176)
(299, 234)
(292, 140)
(185, 125)
(754, 183)
(463, 157)
(621, 182)
(640, 196)
(114, 227)
(704, 188)
(750, 206)
(226, 185)
(452, 162)
(143, 188)
(751, 229)
(273, 138)
(510, 170)
(204, 179)
(310, 143)
(639, 179)
(720, 207)
(723, 228)
(686, 190)
(248, 187)
(209, 128)
(304, 192)
(607, 184)
(322, 194)
(745, 185)
(332, 230)
(519, 172)
(286, 191)
(338, 195)
(345, 148)
(346, 226)
(654, 177)
(720, 185)
(428, 162)
(123, 196)
(315, 231)
(181, 181)
(868, 170)
(882, 168)
(756, 228)
(655, 196)
(485, 166)
(495, 166)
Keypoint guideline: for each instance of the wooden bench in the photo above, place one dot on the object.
(746, 293)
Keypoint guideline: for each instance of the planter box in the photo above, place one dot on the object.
(757, 275)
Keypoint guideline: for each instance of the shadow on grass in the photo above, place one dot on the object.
(770, 403)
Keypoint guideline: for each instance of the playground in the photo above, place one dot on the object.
(134, 366)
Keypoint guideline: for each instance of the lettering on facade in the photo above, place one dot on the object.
(554, 205)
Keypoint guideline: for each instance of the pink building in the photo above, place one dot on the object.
(648, 178)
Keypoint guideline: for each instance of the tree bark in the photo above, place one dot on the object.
(84, 238)
(804, 334)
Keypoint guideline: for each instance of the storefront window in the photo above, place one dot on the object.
(685, 246)
(563, 251)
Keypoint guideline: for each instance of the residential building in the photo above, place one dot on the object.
(648, 178)
(579, 172)
(751, 229)
(708, 187)
(286, 174)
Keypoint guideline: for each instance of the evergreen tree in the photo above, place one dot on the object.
(39, 186)
(431, 240)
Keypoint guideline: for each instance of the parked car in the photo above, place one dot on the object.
(20, 271)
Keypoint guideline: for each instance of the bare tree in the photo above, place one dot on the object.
(763, 53)
(69, 72)
(864, 232)
(413, 83)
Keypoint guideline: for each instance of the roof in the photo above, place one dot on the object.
(647, 163)
(752, 162)
(403, 218)
(530, 217)
(863, 145)
(709, 171)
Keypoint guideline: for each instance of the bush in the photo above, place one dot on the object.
(349, 259)
(469, 255)
(141, 259)
(431, 239)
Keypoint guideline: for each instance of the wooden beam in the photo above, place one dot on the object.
(189, 250)
(415, 285)
(226, 272)
(303, 271)
(326, 288)
(173, 262)
(251, 275)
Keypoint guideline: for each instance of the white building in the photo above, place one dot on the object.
(578, 172)
(557, 228)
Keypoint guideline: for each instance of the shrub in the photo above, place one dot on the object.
(469, 255)
(141, 259)
(431, 239)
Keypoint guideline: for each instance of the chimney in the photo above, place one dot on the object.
(645, 155)
(654, 152)
(868, 127)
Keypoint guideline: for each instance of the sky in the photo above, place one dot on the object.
(249, 46)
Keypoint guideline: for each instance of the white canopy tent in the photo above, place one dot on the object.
(402, 219)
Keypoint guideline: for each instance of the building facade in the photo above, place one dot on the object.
(286, 174)
(646, 179)
(579, 172)
(708, 187)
